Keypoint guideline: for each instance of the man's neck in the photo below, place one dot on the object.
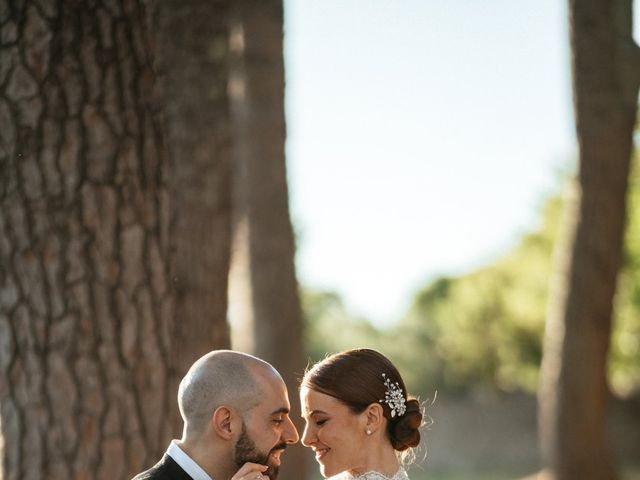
(212, 460)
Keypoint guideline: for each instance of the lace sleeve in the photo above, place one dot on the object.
(400, 475)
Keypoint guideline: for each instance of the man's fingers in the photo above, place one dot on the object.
(250, 471)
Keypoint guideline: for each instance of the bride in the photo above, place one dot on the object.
(358, 416)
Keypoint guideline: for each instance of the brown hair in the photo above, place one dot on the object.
(355, 378)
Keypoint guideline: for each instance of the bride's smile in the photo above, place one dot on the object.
(334, 433)
(320, 452)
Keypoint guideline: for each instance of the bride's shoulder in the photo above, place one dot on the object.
(401, 475)
(342, 476)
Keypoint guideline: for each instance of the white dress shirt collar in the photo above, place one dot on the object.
(194, 470)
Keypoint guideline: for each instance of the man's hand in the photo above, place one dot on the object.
(251, 471)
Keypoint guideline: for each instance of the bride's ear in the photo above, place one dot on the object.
(374, 415)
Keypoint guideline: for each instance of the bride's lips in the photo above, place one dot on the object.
(321, 452)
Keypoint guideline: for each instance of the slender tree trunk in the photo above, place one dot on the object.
(193, 58)
(574, 388)
(85, 304)
(264, 249)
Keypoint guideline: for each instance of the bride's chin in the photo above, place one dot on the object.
(327, 472)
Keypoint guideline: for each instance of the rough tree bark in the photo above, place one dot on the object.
(85, 305)
(264, 287)
(193, 56)
(574, 388)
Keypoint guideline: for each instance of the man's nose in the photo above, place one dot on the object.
(290, 434)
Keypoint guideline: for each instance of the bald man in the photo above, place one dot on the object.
(235, 409)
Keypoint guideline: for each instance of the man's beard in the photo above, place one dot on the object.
(246, 451)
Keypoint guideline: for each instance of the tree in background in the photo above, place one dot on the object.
(86, 314)
(624, 359)
(264, 290)
(193, 58)
(573, 393)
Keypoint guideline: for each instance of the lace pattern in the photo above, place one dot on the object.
(401, 474)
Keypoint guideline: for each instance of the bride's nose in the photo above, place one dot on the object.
(308, 436)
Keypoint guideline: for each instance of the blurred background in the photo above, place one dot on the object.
(429, 146)
(292, 179)
(432, 125)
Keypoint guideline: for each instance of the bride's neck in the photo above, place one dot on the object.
(381, 458)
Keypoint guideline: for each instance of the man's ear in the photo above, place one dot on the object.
(374, 415)
(223, 422)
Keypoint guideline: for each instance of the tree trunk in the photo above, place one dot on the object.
(85, 304)
(264, 287)
(193, 59)
(574, 389)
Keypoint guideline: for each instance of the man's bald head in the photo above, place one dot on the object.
(221, 377)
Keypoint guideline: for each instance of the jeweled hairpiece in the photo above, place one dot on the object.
(394, 397)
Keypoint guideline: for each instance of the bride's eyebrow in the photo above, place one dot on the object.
(317, 412)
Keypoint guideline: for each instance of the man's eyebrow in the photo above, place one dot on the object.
(281, 410)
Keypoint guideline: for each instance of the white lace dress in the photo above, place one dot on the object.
(401, 474)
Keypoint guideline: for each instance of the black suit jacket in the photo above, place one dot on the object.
(165, 469)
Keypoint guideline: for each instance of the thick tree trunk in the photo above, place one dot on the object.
(85, 304)
(264, 279)
(193, 58)
(574, 388)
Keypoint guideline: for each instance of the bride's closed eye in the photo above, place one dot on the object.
(321, 422)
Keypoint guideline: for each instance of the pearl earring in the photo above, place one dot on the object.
(368, 432)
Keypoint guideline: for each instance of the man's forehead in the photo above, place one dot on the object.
(268, 379)
(272, 394)
(280, 399)
(271, 407)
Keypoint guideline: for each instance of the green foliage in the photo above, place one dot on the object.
(486, 326)
(624, 366)
(484, 329)
(329, 328)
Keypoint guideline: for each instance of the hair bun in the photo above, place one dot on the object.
(405, 430)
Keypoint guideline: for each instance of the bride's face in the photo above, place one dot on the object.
(333, 431)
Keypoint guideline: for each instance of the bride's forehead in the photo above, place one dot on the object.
(312, 398)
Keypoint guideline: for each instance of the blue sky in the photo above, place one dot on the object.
(422, 137)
